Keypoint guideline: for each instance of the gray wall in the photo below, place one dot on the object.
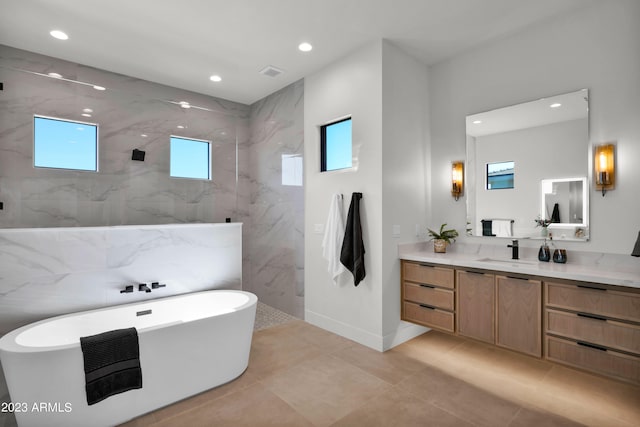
(123, 191)
(275, 263)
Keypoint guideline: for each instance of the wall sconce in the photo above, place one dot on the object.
(457, 179)
(605, 167)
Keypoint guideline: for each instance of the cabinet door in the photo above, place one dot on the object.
(476, 302)
(519, 315)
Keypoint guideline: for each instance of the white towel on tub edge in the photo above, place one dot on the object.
(333, 236)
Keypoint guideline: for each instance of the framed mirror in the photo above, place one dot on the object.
(546, 141)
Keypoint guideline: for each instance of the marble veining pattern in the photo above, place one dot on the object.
(275, 261)
(123, 191)
(52, 271)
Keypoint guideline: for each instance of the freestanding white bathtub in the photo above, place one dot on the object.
(188, 344)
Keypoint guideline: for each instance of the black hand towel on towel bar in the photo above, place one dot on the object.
(352, 253)
(111, 363)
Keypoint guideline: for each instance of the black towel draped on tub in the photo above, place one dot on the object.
(352, 253)
(111, 363)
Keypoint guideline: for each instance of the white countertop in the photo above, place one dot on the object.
(607, 269)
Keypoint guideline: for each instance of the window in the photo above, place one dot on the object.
(335, 145)
(65, 144)
(292, 169)
(500, 175)
(190, 158)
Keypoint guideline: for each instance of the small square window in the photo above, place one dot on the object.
(336, 146)
(190, 158)
(65, 144)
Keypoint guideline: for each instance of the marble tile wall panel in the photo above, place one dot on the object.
(51, 271)
(276, 247)
(123, 191)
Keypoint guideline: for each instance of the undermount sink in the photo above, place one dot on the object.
(514, 262)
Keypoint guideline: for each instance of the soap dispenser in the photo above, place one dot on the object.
(544, 254)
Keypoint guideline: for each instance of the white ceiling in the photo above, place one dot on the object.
(181, 43)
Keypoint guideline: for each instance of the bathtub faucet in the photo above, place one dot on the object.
(127, 290)
(143, 287)
(156, 285)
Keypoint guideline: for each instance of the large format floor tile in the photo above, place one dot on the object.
(301, 375)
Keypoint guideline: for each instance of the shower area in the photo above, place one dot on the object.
(255, 150)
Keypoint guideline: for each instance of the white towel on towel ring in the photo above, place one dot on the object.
(333, 236)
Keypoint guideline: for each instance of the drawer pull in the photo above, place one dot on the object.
(595, 347)
(474, 272)
(517, 278)
(592, 316)
(427, 306)
(595, 288)
(426, 286)
(426, 265)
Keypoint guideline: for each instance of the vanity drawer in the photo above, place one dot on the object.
(594, 300)
(425, 294)
(427, 274)
(609, 333)
(431, 317)
(607, 362)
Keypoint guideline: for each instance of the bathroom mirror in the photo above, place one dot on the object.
(548, 140)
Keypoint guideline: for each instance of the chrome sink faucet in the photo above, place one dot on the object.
(514, 249)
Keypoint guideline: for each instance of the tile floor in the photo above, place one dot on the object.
(300, 375)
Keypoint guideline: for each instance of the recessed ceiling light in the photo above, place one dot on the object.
(99, 88)
(144, 135)
(55, 75)
(556, 105)
(87, 110)
(86, 115)
(60, 35)
(180, 127)
(305, 47)
(215, 78)
(477, 122)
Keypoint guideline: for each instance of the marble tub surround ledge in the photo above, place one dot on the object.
(610, 269)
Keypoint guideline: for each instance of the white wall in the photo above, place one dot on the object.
(352, 86)
(596, 48)
(388, 170)
(405, 134)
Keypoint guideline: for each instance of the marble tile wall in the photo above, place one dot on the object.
(274, 258)
(123, 191)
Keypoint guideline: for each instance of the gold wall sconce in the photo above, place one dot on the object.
(605, 167)
(457, 179)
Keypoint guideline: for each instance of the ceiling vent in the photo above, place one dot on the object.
(271, 71)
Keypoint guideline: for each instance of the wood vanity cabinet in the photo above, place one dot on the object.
(428, 295)
(519, 314)
(593, 327)
(476, 305)
(590, 326)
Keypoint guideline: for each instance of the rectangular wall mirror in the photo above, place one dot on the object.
(547, 141)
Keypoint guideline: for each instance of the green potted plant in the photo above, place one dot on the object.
(442, 238)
